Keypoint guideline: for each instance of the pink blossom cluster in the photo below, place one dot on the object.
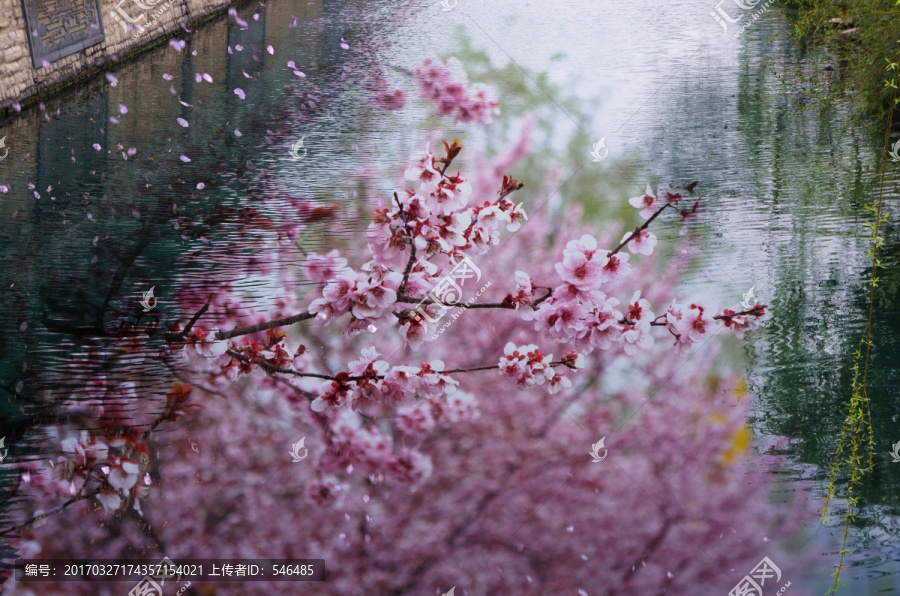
(371, 379)
(447, 85)
(419, 418)
(488, 483)
(367, 295)
(578, 311)
(366, 446)
(528, 366)
(107, 468)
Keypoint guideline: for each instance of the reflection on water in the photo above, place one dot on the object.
(88, 225)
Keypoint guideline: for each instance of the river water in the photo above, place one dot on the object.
(674, 96)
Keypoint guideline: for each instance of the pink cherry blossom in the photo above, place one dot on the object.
(642, 243)
(648, 203)
(526, 365)
(448, 87)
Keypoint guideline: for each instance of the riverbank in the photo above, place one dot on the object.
(864, 35)
(110, 35)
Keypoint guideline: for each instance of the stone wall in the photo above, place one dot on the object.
(21, 82)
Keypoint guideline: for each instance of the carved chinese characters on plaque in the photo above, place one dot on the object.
(57, 28)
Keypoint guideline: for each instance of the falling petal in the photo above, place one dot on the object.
(270, 49)
(182, 122)
(91, 217)
(19, 386)
(97, 146)
(207, 78)
(123, 109)
(132, 151)
(96, 238)
(239, 48)
(167, 76)
(37, 195)
(198, 77)
(177, 44)
(344, 44)
(240, 22)
(299, 74)
(291, 65)
(245, 74)
(112, 79)
(670, 575)
(45, 64)
(185, 159)
(239, 92)
(113, 119)
(4, 189)
(237, 133)
(23, 326)
(184, 103)
(200, 186)
(255, 16)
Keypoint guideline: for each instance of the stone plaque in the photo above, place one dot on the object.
(57, 28)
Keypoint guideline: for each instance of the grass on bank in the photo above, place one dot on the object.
(863, 33)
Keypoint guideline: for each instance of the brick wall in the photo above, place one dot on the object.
(21, 82)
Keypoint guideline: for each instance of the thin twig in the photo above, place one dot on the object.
(220, 335)
(637, 231)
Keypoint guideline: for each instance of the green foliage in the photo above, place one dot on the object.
(862, 33)
(855, 452)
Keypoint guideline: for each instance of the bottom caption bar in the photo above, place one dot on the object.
(106, 570)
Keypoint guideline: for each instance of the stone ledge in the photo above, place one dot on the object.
(21, 82)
